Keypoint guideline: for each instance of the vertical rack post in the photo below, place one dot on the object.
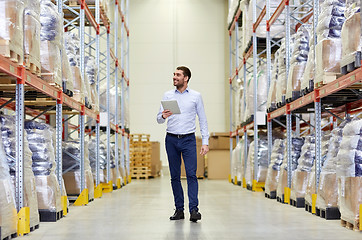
(108, 106)
(98, 91)
(268, 76)
(255, 72)
(20, 107)
(128, 74)
(245, 132)
(122, 87)
(116, 16)
(318, 136)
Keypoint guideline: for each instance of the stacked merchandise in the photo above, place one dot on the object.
(301, 174)
(281, 84)
(140, 151)
(81, 87)
(67, 75)
(298, 62)
(91, 71)
(328, 185)
(262, 162)
(349, 172)
(261, 93)
(277, 28)
(307, 81)
(41, 143)
(311, 187)
(296, 148)
(236, 161)
(11, 25)
(233, 7)
(329, 46)
(112, 100)
(351, 37)
(8, 134)
(272, 103)
(71, 169)
(50, 42)
(115, 167)
(102, 160)
(272, 178)
(32, 36)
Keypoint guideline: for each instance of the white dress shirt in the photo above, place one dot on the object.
(190, 103)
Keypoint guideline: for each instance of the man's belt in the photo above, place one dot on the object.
(180, 135)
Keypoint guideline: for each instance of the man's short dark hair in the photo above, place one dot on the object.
(185, 70)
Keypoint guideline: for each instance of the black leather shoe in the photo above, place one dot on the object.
(179, 214)
(195, 215)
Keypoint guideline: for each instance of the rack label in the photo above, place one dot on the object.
(28, 78)
(337, 85)
(353, 78)
(44, 87)
(12, 69)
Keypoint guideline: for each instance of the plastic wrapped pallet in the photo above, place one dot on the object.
(67, 75)
(296, 148)
(349, 172)
(233, 7)
(71, 169)
(8, 212)
(311, 186)
(305, 164)
(112, 100)
(116, 174)
(32, 34)
(41, 143)
(92, 73)
(277, 157)
(11, 25)
(329, 46)
(102, 160)
(298, 62)
(9, 142)
(50, 42)
(309, 71)
(351, 33)
(328, 185)
(262, 165)
(271, 102)
(236, 161)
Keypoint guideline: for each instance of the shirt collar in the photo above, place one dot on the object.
(186, 90)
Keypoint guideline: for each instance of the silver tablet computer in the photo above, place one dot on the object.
(171, 105)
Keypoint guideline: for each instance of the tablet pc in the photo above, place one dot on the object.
(171, 105)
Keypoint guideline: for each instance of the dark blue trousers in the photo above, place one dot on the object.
(175, 147)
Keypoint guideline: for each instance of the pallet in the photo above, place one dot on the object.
(351, 226)
(325, 78)
(33, 228)
(8, 50)
(11, 236)
(308, 207)
(249, 187)
(331, 213)
(272, 195)
(351, 63)
(139, 138)
(299, 203)
(32, 65)
(281, 199)
(295, 96)
(140, 176)
(49, 216)
(308, 89)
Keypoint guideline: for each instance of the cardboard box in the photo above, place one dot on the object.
(48, 193)
(350, 198)
(299, 184)
(327, 190)
(218, 164)
(155, 159)
(72, 183)
(220, 141)
(8, 212)
(200, 172)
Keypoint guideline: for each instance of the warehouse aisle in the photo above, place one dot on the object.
(141, 211)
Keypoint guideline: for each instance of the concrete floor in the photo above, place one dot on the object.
(141, 210)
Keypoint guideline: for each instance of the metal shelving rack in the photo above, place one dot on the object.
(25, 79)
(313, 99)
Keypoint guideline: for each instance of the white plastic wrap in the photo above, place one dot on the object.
(277, 156)
(112, 101)
(236, 161)
(32, 33)
(50, 42)
(309, 71)
(271, 102)
(71, 168)
(350, 199)
(67, 75)
(11, 25)
(298, 61)
(233, 7)
(262, 162)
(329, 46)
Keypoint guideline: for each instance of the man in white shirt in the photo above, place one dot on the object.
(180, 140)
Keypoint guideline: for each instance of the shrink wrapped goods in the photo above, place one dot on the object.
(8, 212)
(41, 138)
(32, 33)
(237, 168)
(271, 103)
(277, 156)
(92, 73)
(308, 75)
(351, 33)
(112, 100)
(234, 4)
(11, 25)
(50, 42)
(102, 160)
(116, 173)
(297, 144)
(71, 169)
(262, 162)
(329, 46)
(8, 131)
(67, 75)
(328, 186)
(298, 62)
(349, 171)
(305, 164)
